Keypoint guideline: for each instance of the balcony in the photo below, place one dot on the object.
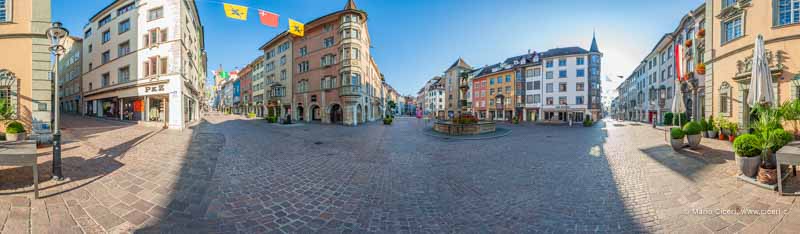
(350, 90)
(350, 62)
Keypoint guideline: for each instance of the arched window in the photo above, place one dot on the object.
(9, 93)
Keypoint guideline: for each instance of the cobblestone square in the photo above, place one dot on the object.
(233, 175)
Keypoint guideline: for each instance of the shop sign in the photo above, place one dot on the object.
(154, 88)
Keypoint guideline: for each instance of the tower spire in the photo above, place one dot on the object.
(594, 48)
(351, 5)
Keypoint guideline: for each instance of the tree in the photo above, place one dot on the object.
(392, 106)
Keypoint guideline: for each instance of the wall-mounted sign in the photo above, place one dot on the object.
(153, 89)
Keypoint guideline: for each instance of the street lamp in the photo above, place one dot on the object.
(57, 36)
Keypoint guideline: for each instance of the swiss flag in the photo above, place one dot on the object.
(268, 18)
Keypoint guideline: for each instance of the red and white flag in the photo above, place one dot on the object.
(268, 18)
(678, 63)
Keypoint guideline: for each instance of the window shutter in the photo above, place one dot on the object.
(146, 42)
(163, 65)
(775, 12)
(163, 35)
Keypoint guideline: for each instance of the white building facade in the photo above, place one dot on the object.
(565, 95)
(144, 61)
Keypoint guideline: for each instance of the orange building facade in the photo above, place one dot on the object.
(335, 79)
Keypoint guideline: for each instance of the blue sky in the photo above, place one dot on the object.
(415, 40)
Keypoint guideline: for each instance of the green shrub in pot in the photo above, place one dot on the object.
(668, 118)
(692, 128)
(676, 133)
(747, 145)
(781, 138)
(748, 149)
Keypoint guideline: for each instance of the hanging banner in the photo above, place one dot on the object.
(268, 18)
(235, 11)
(296, 28)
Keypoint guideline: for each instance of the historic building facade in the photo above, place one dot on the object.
(144, 61)
(731, 32)
(258, 85)
(571, 84)
(500, 91)
(69, 76)
(278, 77)
(335, 77)
(452, 85)
(25, 64)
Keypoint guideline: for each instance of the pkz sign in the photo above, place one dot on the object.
(154, 89)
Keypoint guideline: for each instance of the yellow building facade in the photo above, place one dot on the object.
(25, 63)
(732, 30)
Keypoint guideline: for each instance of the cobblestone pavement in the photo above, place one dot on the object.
(232, 175)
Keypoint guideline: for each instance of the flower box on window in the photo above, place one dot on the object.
(700, 69)
(701, 33)
(688, 43)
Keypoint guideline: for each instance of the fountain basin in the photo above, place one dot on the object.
(455, 129)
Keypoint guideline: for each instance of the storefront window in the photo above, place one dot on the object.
(132, 109)
(157, 110)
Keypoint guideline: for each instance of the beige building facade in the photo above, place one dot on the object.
(277, 85)
(452, 77)
(731, 32)
(25, 63)
(69, 76)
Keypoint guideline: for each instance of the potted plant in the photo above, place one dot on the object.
(668, 118)
(790, 111)
(700, 69)
(733, 129)
(701, 33)
(587, 122)
(768, 128)
(722, 123)
(388, 120)
(692, 131)
(676, 135)
(15, 131)
(688, 43)
(712, 129)
(272, 119)
(514, 120)
(703, 127)
(747, 149)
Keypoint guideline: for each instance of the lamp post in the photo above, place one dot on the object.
(662, 101)
(57, 35)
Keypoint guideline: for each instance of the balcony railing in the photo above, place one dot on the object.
(350, 90)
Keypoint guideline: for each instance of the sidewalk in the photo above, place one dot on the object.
(120, 178)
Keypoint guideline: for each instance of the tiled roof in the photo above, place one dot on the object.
(563, 51)
(460, 62)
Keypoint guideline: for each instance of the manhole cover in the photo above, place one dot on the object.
(317, 142)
